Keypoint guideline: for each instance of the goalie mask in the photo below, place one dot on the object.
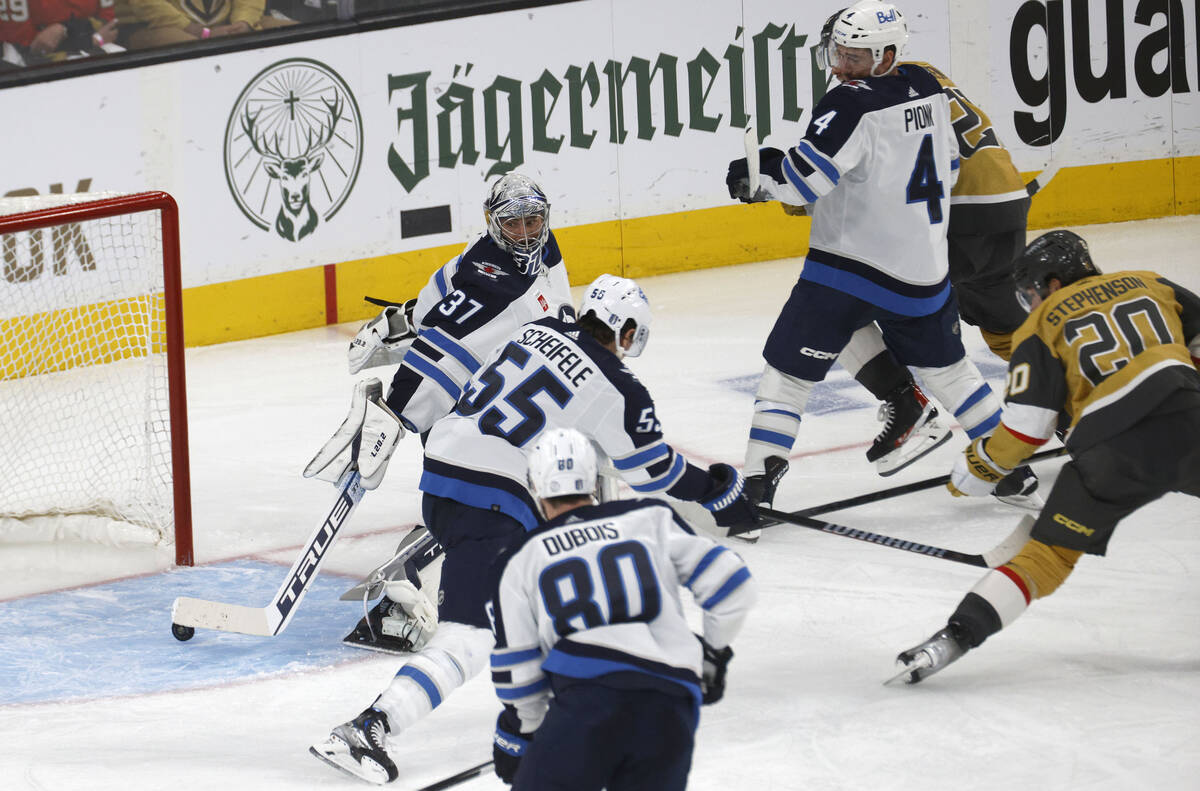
(616, 301)
(864, 25)
(562, 464)
(518, 220)
(1060, 255)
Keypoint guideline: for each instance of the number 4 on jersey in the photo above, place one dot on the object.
(924, 186)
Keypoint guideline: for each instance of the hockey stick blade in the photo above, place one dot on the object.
(454, 780)
(895, 491)
(998, 555)
(271, 620)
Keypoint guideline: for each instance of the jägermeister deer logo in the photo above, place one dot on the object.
(293, 147)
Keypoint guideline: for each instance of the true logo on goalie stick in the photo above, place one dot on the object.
(293, 147)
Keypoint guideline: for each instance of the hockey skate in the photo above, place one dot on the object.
(358, 748)
(910, 430)
(922, 661)
(1019, 489)
(760, 490)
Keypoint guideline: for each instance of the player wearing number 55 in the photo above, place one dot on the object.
(597, 668)
(476, 502)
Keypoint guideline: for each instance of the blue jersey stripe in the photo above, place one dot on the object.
(591, 667)
(665, 482)
(704, 563)
(868, 291)
(986, 426)
(451, 347)
(515, 693)
(439, 280)
(424, 681)
(823, 164)
(772, 437)
(515, 657)
(642, 457)
(735, 580)
(798, 182)
(479, 496)
(973, 399)
(431, 371)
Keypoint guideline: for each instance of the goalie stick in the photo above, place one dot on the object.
(187, 614)
(996, 556)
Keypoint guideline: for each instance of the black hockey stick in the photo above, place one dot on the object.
(995, 556)
(887, 494)
(454, 780)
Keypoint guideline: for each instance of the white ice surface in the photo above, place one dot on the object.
(1096, 687)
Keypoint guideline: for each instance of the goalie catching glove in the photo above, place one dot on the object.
(366, 438)
(975, 473)
(384, 339)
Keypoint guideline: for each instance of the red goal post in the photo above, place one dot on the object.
(93, 431)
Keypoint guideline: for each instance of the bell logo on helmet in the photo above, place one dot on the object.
(888, 16)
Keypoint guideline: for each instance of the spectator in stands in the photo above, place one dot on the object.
(50, 30)
(158, 23)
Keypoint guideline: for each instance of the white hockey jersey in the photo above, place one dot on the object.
(878, 160)
(470, 305)
(549, 374)
(594, 594)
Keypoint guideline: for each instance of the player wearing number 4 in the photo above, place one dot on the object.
(878, 162)
(547, 374)
(600, 675)
(1117, 355)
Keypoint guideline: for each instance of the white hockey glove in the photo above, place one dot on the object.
(974, 472)
(384, 339)
(367, 437)
(412, 618)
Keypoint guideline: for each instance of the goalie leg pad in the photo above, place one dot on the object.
(367, 437)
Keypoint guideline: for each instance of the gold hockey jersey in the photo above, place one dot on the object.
(990, 194)
(1103, 351)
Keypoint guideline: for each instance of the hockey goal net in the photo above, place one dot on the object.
(93, 416)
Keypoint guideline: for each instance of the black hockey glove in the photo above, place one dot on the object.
(760, 489)
(712, 681)
(509, 744)
(737, 179)
(726, 497)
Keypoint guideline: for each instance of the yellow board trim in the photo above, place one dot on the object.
(645, 246)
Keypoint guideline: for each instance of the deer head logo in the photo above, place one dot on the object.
(296, 218)
(293, 147)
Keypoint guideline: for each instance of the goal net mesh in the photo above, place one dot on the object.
(85, 429)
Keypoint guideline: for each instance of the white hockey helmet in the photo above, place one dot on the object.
(867, 25)
(518, 220)
(615, 301)
(562, 464)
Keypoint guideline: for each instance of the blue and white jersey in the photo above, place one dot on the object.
(878, 160)
(469, 305)
(594, 594)
(550, 374)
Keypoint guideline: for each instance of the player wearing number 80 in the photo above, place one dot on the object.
(1115, 354)
(597, 668)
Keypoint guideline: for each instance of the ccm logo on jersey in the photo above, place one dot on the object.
(817, 354)
(1071, 524)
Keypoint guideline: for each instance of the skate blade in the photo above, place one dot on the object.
(892, 463)
(1029, 502)
(346, 764)
(918, 663)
